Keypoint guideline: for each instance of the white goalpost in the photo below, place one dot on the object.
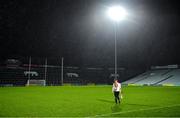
(36, 82)
(36, 79)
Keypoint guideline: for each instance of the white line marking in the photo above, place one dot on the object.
(137, 110)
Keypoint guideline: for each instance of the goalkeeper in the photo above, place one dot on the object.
(116, 89)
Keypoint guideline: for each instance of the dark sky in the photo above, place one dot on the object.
(81, 32)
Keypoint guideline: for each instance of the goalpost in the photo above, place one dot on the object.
(31, 81)
(36, 82)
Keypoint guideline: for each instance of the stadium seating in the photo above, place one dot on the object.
(157, 77)
(137, 78)
(12, 77)
(174, 79)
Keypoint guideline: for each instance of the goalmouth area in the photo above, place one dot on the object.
(89, 101)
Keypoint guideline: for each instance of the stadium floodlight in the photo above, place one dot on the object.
(117, 13)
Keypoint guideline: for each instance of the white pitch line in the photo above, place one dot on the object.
(137, 110)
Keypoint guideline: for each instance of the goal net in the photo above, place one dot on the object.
(34, 82)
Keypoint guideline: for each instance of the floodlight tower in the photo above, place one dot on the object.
(117, 14)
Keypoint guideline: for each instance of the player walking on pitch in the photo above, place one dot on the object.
(116, 89)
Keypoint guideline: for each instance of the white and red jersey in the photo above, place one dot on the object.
(116, 87)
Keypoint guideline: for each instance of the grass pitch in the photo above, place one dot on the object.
(89, 101)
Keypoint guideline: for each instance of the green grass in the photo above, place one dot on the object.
(89, 101)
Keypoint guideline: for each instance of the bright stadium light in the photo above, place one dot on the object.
(117, 13)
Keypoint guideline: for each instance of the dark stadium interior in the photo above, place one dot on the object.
(89, 58)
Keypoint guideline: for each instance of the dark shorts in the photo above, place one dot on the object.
(116, 94)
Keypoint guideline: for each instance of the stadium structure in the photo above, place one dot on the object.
(158, 75)
(15, 73)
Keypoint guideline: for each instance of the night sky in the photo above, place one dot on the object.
(81, 32)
